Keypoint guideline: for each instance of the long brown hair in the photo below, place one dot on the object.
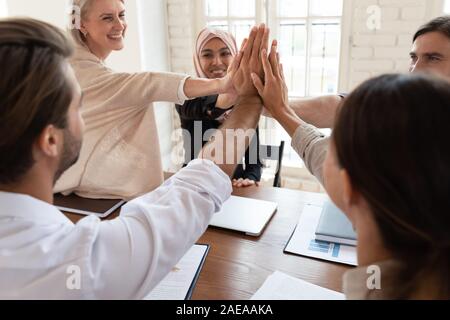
(392, 137)
(34, 90)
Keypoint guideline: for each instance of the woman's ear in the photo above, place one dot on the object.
(83, 29)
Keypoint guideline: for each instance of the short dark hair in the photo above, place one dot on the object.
(440, 24)
(34, 90)
(392, 138)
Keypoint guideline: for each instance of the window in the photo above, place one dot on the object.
(447, 6)
(3, 9)
(235, 16)
(309, 34)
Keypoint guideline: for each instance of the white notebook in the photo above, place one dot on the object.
(179, 284)
(280, 286)
(244, 215)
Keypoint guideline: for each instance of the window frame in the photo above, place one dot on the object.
(272, 21)
(266, 11)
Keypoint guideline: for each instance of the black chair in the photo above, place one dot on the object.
(274, 153)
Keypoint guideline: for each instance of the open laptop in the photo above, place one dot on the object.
(245, 215)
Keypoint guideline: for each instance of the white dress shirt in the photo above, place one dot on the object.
(42, 253)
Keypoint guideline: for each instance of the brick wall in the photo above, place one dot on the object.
(383, 49)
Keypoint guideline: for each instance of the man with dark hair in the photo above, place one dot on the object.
(431, 48)
(45, 256)
(430, 54)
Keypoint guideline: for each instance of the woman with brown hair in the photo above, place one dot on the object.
(388, 169)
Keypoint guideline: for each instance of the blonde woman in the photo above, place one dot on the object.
(120, 157)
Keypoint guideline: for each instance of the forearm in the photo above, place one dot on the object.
(231, 141)
(225, 101)
(288, 119)
(320, 112)
(196, 87)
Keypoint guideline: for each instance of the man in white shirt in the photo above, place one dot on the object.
(40, 137)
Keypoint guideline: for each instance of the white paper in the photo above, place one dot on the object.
(177, 283)
(280, 286)
(303, 241)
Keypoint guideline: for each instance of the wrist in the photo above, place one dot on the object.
(219, 86)
(282, 111)
(251, 100)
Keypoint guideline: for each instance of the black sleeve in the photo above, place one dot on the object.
(253, 171)
(198, 109)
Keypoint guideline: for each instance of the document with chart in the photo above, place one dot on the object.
(303, 241)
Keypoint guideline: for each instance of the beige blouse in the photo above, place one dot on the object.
(120, 157)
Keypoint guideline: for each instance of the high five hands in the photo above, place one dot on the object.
(257, 76)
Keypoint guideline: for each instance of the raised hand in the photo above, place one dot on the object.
(251, 62)
(273, 91)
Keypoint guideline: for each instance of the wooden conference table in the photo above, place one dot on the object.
(237, 265)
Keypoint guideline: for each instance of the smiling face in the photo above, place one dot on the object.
(215, 58)
(431, 54)
(104, 26)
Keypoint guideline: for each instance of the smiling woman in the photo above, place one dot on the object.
(120, 157)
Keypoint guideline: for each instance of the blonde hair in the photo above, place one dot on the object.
(77, 12)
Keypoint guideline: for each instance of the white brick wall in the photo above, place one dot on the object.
(374, 52)
(182, 34)
(370, 52)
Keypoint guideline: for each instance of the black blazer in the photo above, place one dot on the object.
(204, 110)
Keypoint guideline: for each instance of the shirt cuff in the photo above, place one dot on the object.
(181, 94)
(205, 174)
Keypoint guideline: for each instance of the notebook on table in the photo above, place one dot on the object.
(244, 215)
(82, 206)
(179, 284)
(335, 227)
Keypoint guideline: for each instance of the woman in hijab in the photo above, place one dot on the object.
(215, 50)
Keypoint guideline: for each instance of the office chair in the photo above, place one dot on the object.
(268, 152)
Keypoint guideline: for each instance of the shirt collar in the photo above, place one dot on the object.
(15, 205)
